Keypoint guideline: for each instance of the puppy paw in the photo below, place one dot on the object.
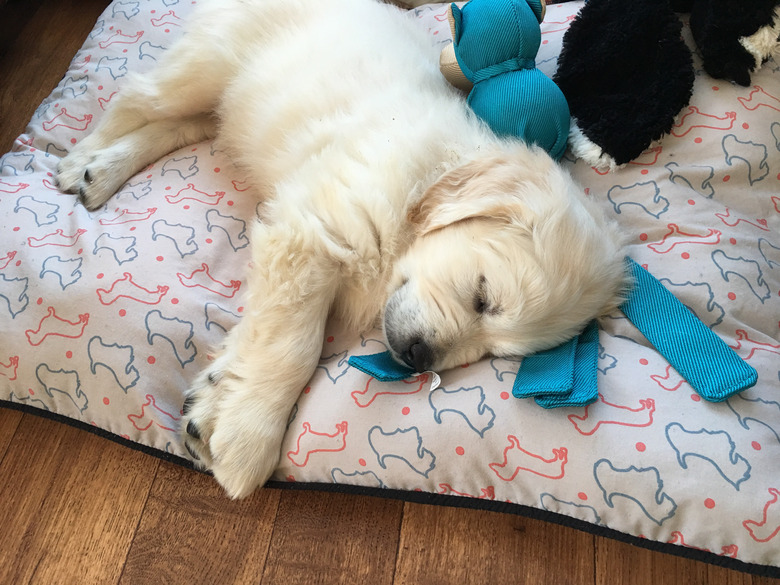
(94, 176)
(232, 428)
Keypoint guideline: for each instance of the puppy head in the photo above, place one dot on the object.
(510, 258)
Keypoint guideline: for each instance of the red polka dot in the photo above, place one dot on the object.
(644, 171)
(240, 309)
(732, 296)
(330, 338)
(68, 354)
(186, 207)
(39, 301)
(31, 391)
(460, 450)
(100, 275)
(756, 445)
(726, 178)
(583, 496)
(106, 401)
(174, 301)
(209, 241)
(405, 410)
(151, 359)
(100, 87)
(307, 390)
(505, 396)
(148, 176)
(73, 141)
(643, 237)
(697, 140)
(709, 503)
(643, 361)
(715, 88)
(217, 169)
(160, 258)
(122, 312)
(695, 397)
(167, 30)
(464, 366)
(362, 462)
(685, 255)
(230, 203)
(691, 202)
(168, 188)
(732, 241)
(746, 125)
(640, 447)
(16, 229)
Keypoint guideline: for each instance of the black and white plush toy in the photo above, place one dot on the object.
(626, 71)
(734, 38)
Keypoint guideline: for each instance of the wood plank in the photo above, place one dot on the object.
(37, 57)
(70, 504)
(450, 545)
(618, 562)
(333, 539)
(9, 421)
(191, 532)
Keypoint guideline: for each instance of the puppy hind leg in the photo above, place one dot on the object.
(187, 82)
(111, 166)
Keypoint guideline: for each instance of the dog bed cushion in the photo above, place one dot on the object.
(106, 317)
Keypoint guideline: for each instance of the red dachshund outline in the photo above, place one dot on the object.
(12, 366)
(769, 529)
(755, 346)
(695, 118)
(317, 442)
(57, 238)
(127, 216)
(646, 405)
(666, 245)
(144, 421)
(127, 288)
(201, 197)
(209, 282)
(119, 38)
(8, 258)
(524, 460)
(52, 324)
(420, 380)
(762, 97)
(80, 124)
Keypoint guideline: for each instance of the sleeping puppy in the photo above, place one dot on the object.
(383, 198)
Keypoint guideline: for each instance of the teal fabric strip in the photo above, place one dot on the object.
(381, 366)
(585, 389)
(547, 372)
(710, 366)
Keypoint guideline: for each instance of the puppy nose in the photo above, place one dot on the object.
(418, 356)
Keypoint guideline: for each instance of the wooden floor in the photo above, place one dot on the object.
(79, 509)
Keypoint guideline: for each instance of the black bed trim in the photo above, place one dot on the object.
(435, 499)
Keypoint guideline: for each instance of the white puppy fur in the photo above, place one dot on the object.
(378, 183)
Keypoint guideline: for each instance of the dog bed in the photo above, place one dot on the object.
(106, 317)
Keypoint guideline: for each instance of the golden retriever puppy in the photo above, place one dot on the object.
(380, 187)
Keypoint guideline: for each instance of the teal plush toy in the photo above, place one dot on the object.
(493, 54)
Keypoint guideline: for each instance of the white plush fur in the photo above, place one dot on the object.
(378, 182)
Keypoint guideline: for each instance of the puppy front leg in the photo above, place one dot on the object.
(237, 411)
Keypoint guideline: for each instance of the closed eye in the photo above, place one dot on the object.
(480, 302)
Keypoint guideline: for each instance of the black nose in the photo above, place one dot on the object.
(418, 356)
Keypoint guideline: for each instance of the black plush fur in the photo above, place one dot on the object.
(626, 73)
(717, 26)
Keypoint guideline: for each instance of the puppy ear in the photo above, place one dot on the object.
(490, 188)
